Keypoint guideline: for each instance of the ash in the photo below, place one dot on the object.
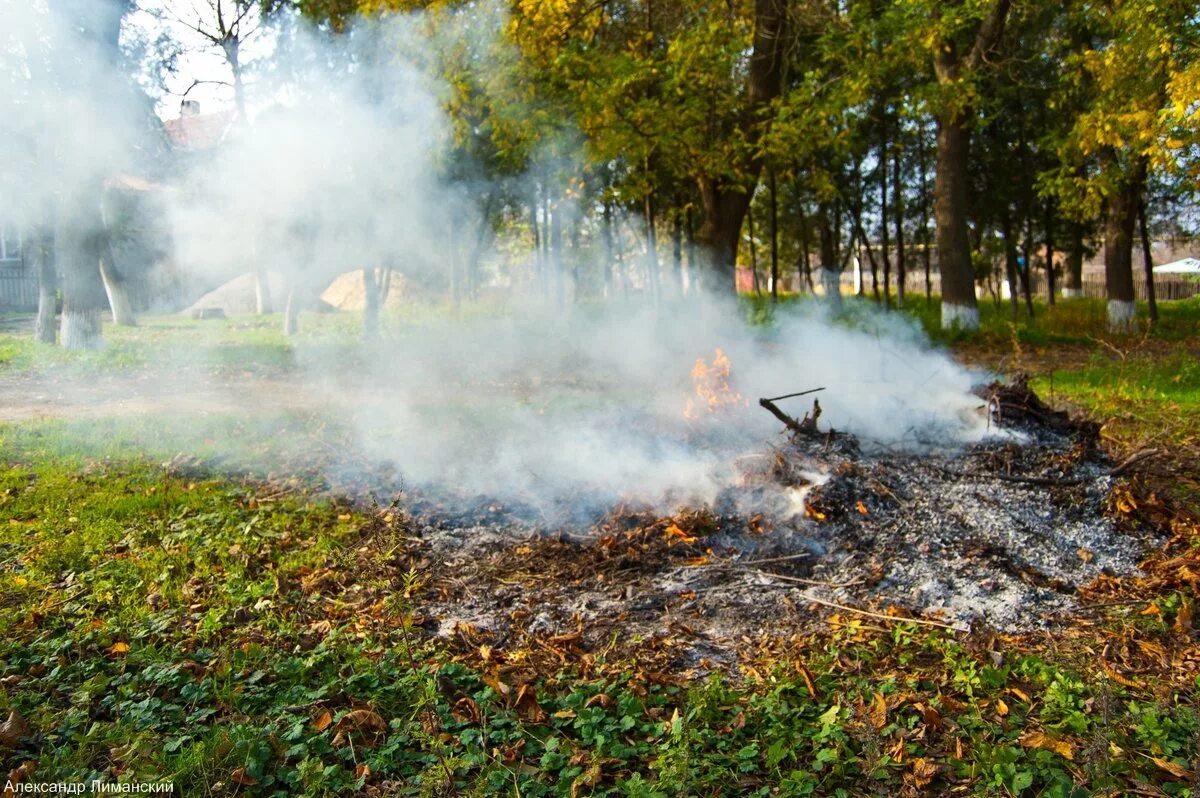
(998, 535)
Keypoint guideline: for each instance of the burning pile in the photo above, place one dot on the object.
(1001, 534)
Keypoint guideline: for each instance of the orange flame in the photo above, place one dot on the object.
(714, 394)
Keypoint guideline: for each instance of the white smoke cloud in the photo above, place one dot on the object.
(340, 171)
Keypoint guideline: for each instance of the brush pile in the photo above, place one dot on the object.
(1000, 535)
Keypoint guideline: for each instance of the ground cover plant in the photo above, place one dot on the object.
(236, 631)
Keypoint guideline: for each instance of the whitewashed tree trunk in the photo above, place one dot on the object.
(77, 239)
(118, 295)
(42, 251)
(262, 294)
(371, 301)
(291, 314)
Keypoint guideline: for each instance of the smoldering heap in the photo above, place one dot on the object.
(998, 534)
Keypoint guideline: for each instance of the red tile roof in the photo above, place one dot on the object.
(198, 131)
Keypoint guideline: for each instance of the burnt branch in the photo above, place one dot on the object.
(806, 427)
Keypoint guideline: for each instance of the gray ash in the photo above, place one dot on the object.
(999, 534)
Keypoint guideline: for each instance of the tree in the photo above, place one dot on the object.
(963, 35)
(80, 235)
(1134, 56)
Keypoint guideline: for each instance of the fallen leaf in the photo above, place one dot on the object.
(119, 649)
(808, 682)
(1001, 707)
(323, 721)
(1042, 740)
(1175, 770)
(363, 771)
(1151, 609)
(362, 720)
(878, 711)
(13, 729)
(1019, 693)
(527, 706)
(862, 508)
(922, 772)
(240, 776)
(1184, 619)
(19, 775)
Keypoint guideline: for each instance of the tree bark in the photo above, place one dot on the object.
(1074, 275)
(1010, 262)
(885, 244)
(1148, 262)
(291, 313)
(830, 266)
(609, 250)
(117, 289)
(959, 306)
(951, 190)
(898, 214)
(652, 272)
(926, 243)
(1049, 221)
(371, 302)
(677, 252)
(42, 252)
(77, 247)
(1027, 272)
(774, 234)
(263, 303)
(1120, 215)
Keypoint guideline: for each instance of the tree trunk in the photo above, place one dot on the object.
(885, 244)
(651, 247)
(1027, 272)
(1074, 275)
(263, 303)
(805, 264)
(1148, 262)
(753, 253)
(926, 255)
(693, 265)
(42, 252)
(774, 234)
(1119, 218)
(1010, 263)
(951, 184)
(959, 306)
(557, 256)
(898, 214)
(725, 202)
(291, 313)
(1049, 221)
(677, 252)
(609, 250)
(77, 248)
(118, 292)
(371, 301)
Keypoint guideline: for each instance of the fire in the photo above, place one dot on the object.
(714, 394)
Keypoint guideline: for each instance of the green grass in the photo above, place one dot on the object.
(160, 627)
(236, 639)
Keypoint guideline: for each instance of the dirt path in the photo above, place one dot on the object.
(47, 396)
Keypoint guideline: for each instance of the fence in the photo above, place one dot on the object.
(18, 287)
(1165, 287)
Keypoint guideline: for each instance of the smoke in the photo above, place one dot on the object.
(344, 166)
(553, 408)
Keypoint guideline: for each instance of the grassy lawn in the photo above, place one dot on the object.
(239, 636)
